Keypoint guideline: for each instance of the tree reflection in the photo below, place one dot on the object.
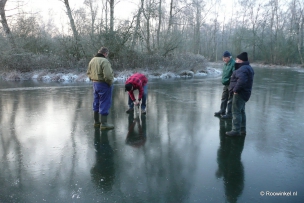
(103, 172)
(230, 166)
(12, 168)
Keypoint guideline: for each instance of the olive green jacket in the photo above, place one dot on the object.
(227, 72)
(100, 69)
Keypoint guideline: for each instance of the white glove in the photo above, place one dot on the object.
(136, 103)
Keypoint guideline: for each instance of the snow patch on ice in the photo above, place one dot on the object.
(200, 74)
(46, 78)
(168, 75)
(35, 76)
(213, 71)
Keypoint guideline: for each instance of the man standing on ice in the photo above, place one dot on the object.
(101, 73)
(138, 82)
(240, 86)
(226, 101)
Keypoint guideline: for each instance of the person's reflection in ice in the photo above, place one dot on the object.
(103, 172)
(136, 137)
(230, 166)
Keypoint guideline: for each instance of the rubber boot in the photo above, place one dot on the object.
(219, 113)
(96, 119)
(104, 124)
(243, 131)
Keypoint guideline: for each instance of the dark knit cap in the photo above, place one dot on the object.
(226, 54)
(128, 87)
(243, 56)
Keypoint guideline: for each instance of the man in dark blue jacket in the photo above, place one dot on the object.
(240, 86)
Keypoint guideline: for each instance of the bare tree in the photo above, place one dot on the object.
(5, 25)
(198, 7)
(93, 12)
(136, 31)
(297, 16)
(148, 14)
(254, 19)
(159, 21)
(170, 16)
(74, 30)
(111, 15)
(197, 33)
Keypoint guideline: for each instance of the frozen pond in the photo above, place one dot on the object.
(50, 151)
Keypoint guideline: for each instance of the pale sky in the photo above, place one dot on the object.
(123, 9)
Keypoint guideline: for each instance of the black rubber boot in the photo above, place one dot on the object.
(219, 113)
(96, 119)
(243, 131)
(104, 124)
(143, 111)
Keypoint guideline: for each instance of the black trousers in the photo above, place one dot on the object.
(226, 101)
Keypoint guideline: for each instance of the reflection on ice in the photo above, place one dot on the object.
(136, 136)
(35, 88)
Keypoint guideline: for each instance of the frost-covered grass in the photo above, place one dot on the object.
(211, 70)
(179, 66)
(154, 66)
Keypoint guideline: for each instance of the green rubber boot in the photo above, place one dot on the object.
(104, 124)
(96, 119)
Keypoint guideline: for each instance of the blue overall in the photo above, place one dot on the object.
(102, 93)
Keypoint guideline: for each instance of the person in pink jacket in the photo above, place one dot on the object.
(138, 82)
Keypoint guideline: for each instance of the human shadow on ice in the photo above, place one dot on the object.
(103, 172)
(230, 166)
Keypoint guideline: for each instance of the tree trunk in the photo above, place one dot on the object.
(214, 39)
(5, 25)
(135, 34)
(147, 17)
(93, 15)
(74, 30)
(254, 22)
(197, 33)
(300, 38)
(148, 36)
(159, 22)
(170, 17)
(106, 16)
(111, 16)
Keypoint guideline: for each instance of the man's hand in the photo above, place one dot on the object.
(136, 103)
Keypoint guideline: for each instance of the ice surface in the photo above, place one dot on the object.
(178, 152)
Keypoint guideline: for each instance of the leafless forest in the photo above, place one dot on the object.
(159, 34)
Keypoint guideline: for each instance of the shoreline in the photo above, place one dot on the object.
(76, 76)
(213, 69)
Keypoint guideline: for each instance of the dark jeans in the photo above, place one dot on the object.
(143, 99)
(226, 101)
(102, 93)
(238, 113)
